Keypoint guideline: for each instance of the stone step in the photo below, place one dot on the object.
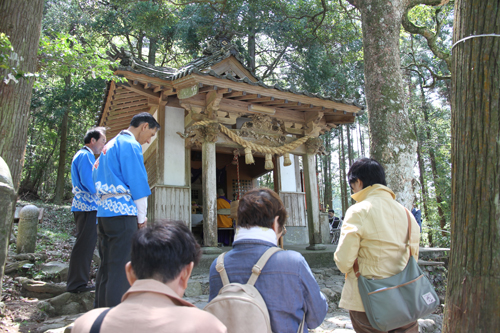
(318, 259)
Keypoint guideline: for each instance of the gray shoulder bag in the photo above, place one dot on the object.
(400, 299)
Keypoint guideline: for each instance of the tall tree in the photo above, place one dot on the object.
(392, 141)
(473, 291)
(21, 22)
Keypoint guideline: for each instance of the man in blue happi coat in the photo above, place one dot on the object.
(84, 210)
(122, 185)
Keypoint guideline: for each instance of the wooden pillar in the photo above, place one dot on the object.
(209, 184)
(311, 183)
(277, 174)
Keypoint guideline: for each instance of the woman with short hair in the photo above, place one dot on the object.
(286, 283)
(374, 231)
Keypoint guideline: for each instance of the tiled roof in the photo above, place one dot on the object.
(200, 66)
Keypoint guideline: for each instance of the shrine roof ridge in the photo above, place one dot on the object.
(201, 65)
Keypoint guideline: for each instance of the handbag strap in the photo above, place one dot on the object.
(355, 267)
(96, 326)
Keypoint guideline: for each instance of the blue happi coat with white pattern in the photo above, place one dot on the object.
(120, 176)
(85, 199)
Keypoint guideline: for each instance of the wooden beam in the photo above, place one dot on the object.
(142, 77)
(154, 101)
(207, 89)
(234, 94)
(192, 118)
(124, 122)
(158, 89)
(247, 97)
(132, 110)
(240, 107)
(224, 91)
(277, 94)
(260, 100)
(121, 101)
(212, 101)
(130, 104)
(123, 93)
(107, 106)
(274, 102)
(117, 113)
(339, 119)
(137, 89)
(314, 117)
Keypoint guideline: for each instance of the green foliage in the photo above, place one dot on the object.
(5, 50)
(309, 45)
(9, 61)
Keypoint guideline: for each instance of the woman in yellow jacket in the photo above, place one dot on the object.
(375, 231)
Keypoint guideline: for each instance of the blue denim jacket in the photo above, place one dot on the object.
(286, 284)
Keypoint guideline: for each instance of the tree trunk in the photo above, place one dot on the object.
(349, 145)
(392, 140)
(251, 52)
(61, 169)
(327, 172)
(153, 46)
(21, 21)
(361, 140)
(251, 49)
(473, 291)
(432, 157)
(32, 183)
(343, 177)
(422, 181)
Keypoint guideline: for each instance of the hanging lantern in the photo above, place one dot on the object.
(269, 162)
(287, 161)
(248, 156)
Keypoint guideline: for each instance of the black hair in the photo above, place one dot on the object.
(162, 250)
(94, 133)
(368, 170)
(331, 211)
(144, 117)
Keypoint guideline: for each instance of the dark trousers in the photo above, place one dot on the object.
(361, 324)
(82, 253)
(115, 236)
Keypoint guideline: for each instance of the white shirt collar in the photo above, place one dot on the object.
(260, 233)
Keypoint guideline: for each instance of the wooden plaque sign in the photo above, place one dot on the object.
(187, 92)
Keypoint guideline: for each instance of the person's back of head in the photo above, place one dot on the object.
(94, 133)
(144, 117)
(259, 207)
(368, 170)
(162, 250)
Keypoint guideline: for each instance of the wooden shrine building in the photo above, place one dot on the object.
(210, 110)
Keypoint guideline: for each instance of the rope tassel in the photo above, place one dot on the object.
(248, 156)
(269, 162)
(287, 160)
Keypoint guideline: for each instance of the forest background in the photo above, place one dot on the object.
(316, 46)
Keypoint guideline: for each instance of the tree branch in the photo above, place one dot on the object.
(423, 31)
(271, 68)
